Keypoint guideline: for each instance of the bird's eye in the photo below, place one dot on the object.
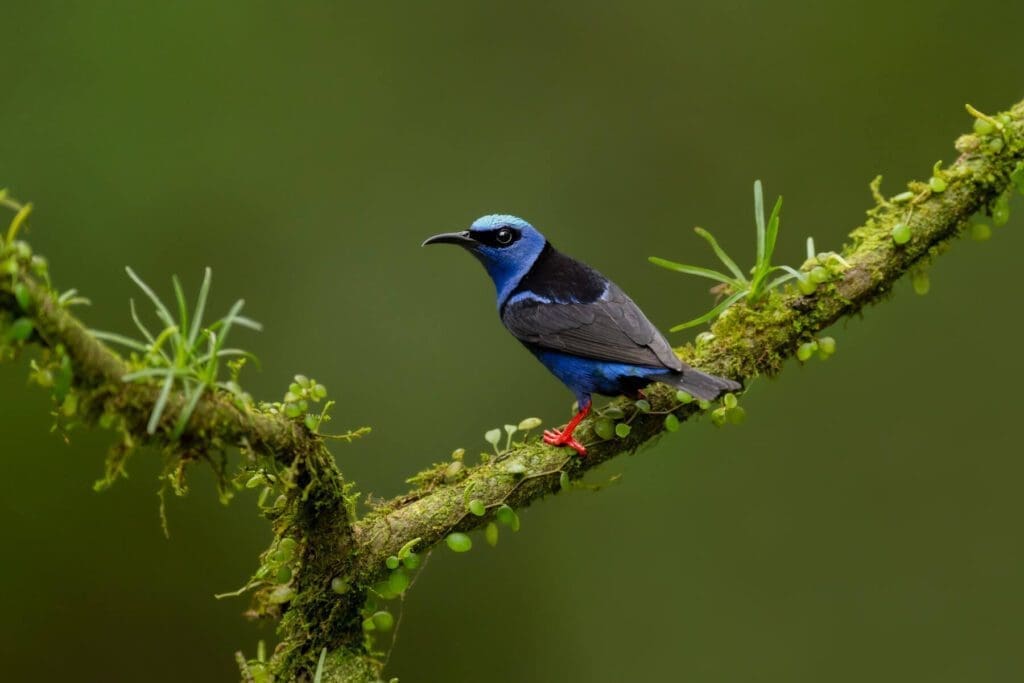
(504, 236)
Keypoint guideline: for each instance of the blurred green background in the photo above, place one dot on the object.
(864, 524)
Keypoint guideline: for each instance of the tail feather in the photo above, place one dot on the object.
(699, 384)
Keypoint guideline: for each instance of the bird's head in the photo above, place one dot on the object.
(506, 245)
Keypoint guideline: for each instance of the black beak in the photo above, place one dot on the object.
(463, 239)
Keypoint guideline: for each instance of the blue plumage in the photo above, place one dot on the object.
(586, 376)
(506, 264)
(579, 324)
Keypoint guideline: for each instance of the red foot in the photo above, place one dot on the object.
(555, 437)
(563, 437)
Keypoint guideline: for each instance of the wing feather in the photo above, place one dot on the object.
(610, 328)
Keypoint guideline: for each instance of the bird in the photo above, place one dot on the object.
(579, 324)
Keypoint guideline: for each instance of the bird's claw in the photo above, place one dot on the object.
(555, 437)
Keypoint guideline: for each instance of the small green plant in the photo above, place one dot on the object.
(318, 676)
(183, 351)
(507, 516)
(825, 348)
(735, 284)
(493, 436)
(730, 411)
(14, 255)
(612, 422)
(21, 213)
(901, 233)
(491, 534)
(937, 183)
(604, 427)
(459, 542)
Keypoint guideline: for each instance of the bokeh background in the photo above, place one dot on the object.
(864, 524)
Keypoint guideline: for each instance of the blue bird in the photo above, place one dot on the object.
(578, 323)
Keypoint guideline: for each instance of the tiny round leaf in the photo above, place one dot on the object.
(604, 427)
(398, 582)
(529, 423)
(508, 517)
(384, 621)
(459, 542)
(491, 534)
(901, 233)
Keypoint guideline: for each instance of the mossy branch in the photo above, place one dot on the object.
(746, 342)
(334, 549)
(315, 508)
(97, 372)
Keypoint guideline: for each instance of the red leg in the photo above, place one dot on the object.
(563, 437)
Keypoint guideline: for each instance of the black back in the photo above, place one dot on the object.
(559, 277)
(584, 314)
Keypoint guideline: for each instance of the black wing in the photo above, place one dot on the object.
(610, 328)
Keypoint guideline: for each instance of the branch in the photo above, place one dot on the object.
(97, 371)
(315, 505)
(745, 342)
(316, 519)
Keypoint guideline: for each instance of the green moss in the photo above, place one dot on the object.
(315, 508)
